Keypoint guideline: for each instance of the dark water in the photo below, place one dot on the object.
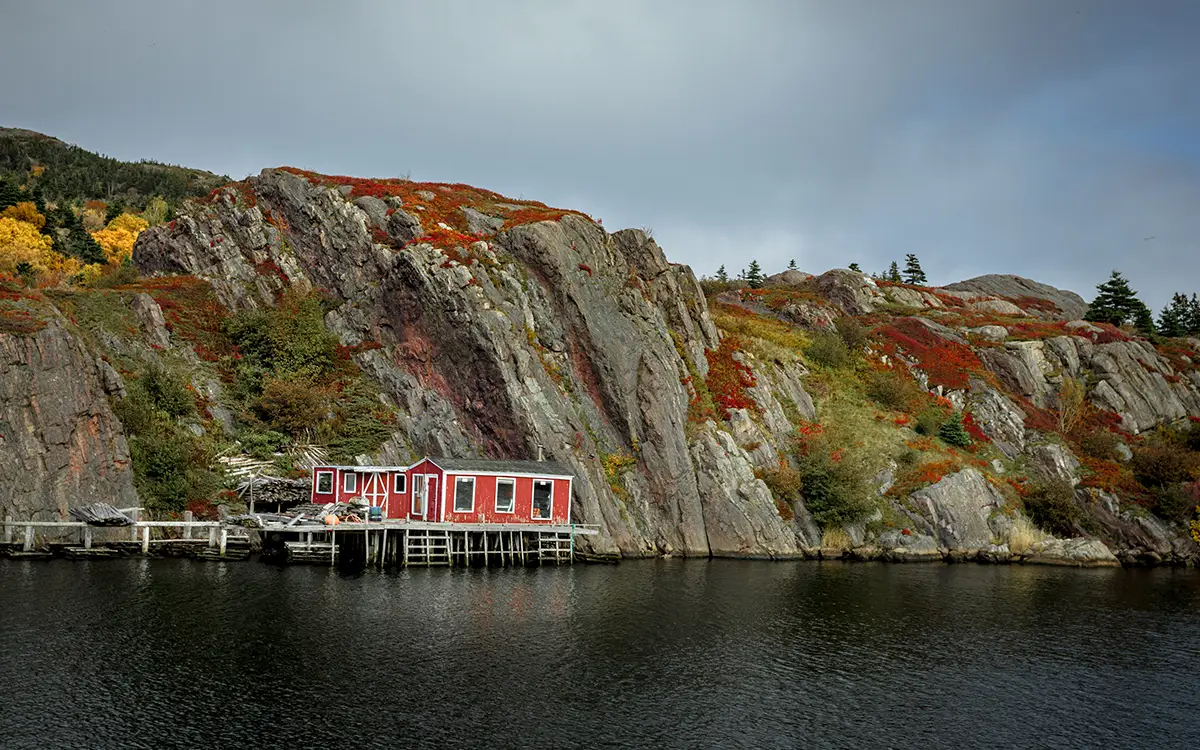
(153, 654)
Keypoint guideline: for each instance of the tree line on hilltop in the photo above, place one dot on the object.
(1115, 302)
(753, 277)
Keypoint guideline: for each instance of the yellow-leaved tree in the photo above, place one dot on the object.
(21, 242)
(27, 212)
(118, 237)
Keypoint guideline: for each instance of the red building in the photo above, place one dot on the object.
(458, 490)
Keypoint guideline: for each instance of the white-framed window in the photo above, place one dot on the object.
(418, 495)
(464, 494)
(543, 500)
(400, 483)
(324, 482)
(506, 490)
(350, 482)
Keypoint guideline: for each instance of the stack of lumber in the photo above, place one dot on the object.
(100, 514)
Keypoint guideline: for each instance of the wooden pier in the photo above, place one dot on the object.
(372, 544)
(419, 543)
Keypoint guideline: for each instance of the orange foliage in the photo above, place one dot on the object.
(728, 379)
(947, 363)
(438, 203)
(27, 212)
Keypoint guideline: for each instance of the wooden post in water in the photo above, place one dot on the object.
(332, 546)
(133, 531)
(212, 536)
(87, 537)
(8, 528)
(224, 540)
(145, 540)
(28, 539)
(187, 530)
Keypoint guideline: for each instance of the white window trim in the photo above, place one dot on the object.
(398, 478)
(347, 479)
(533, 492)
(512, 509)
(317, 484)
(457, 481)
(422, 496)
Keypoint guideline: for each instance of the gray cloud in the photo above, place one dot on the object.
(1045, 139)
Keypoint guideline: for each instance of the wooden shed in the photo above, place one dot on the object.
(454, 490)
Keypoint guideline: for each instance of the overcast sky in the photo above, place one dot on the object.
(1046, 138)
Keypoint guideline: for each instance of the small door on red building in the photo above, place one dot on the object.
(431, 489)
(418, 495)
(375, 489)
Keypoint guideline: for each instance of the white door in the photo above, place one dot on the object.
(418, 495)
(376, 490)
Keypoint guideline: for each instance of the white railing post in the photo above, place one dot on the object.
(187, 519)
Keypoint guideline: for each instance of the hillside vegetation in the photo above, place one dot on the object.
(765, 416)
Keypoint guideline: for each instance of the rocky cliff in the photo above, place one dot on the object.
(814, 417)
(60, 444)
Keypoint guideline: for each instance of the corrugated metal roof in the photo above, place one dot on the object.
(548, 468)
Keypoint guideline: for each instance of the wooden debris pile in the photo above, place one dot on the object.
(100, 514)
(268, 489)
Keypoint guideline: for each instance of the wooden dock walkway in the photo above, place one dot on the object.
(376, 544)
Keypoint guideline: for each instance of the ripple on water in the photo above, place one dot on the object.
(139, 653)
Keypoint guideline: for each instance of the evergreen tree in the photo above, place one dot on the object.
(1191, 322)
(1172, 321)
(9, 194)
(115, 209)
(1115, 302)
(1143, 319)
(893, 273)
(912, 270)
(792, 264)
(721, 274)
(754, 276)
(953, 432)
(854, 267)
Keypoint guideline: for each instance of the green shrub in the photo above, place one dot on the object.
(853, 334)
(930, 420)
(836, 492)
(115, 276)
(292, 406)
(1100, 444)
(893, 389)
(1161, 463)
(1176, 503)
(167, 391)
(952, 431)
(828, 350)
(1051, 505)
(171, 466)
(263, 444)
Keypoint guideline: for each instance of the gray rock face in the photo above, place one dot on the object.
(1070, 304)
(150, 318)
(1055, 462)
(554, 333)
(957, 511)
(1074, 552)
(998, 306)
(1132, 379)
(740, 514)
(990, 333)
(855, 293)
(60, 444)
(998, 417)
(790, 277)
